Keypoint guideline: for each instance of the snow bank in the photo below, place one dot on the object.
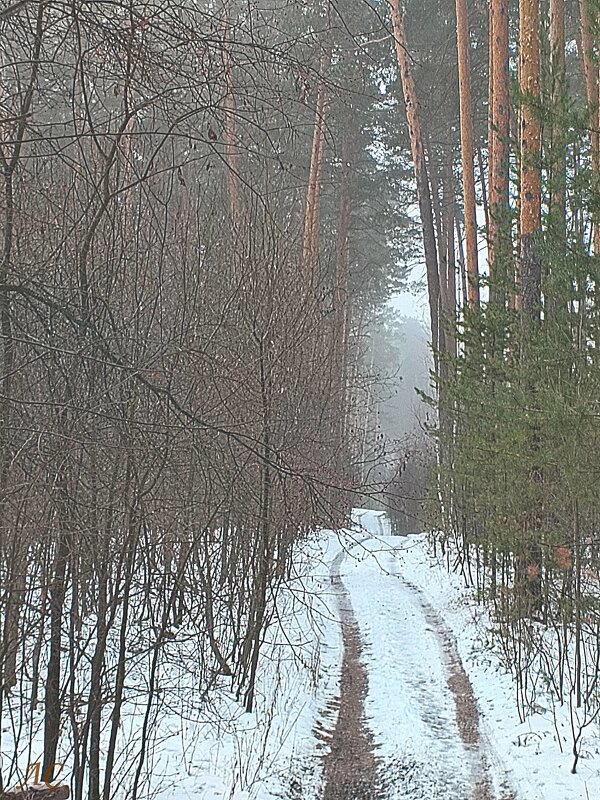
(529, 752)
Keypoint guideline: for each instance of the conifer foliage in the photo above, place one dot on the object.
(518, 420)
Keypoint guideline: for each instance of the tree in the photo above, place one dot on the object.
(420, 170)
(467, 153)
(499, 238)
(530, 152)
(587, 15)
(177, 400)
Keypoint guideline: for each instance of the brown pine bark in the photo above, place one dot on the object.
(530, 141)
(499, 237)
(528, 565)
(557, 61)
(434, 171)
(558, 161)
(467, 152)
(449, 223)
(420, 168)
(491, 119)
(592, 89)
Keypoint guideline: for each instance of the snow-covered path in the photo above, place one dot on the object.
(419, 704)
(432, 711)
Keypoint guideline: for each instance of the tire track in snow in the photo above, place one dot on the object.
(350, 764)
(467, 711)
(351, 768)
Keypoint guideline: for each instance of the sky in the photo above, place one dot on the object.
(413, 302)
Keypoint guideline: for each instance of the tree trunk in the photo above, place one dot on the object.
(557, 60)
(590, 75)
(230, 133)
(340, 295)
(461, 258)
(15, 596)
(435, 182)
(528, 569)
(530, 140)
(467, 153)
(52, 709)
(420, 168)
(484, 190)
(557, 171)
(499, 233)
(313, 194)
(434, 173)
(449, 222)
(96, 694)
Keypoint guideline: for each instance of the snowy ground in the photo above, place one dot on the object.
(273, 752)
(400, 596)
(411, 614)
(205, 747)
(409, 706)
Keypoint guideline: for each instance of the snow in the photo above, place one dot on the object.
(408, 704)
(272, 752)
(395, 586)
(530, 750)
(206, 746)
(407, 605)
(410, 710)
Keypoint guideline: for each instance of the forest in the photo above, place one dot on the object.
(207, 210)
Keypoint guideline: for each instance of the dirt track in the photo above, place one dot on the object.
(350, 765)
(352, 768)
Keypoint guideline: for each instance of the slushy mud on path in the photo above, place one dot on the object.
(350, 765)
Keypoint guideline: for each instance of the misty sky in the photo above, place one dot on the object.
(413, 302)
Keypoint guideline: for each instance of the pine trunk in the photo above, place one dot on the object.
(420, 168)
(590, 75)
(557, 56)
(449, 224)
(467, 152)
(434, 173)
(528, 563)
(313, 194)
(499, 236)
(557, 171)
(530, 141)
(311, 219)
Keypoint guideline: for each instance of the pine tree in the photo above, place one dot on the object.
(467, 153)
